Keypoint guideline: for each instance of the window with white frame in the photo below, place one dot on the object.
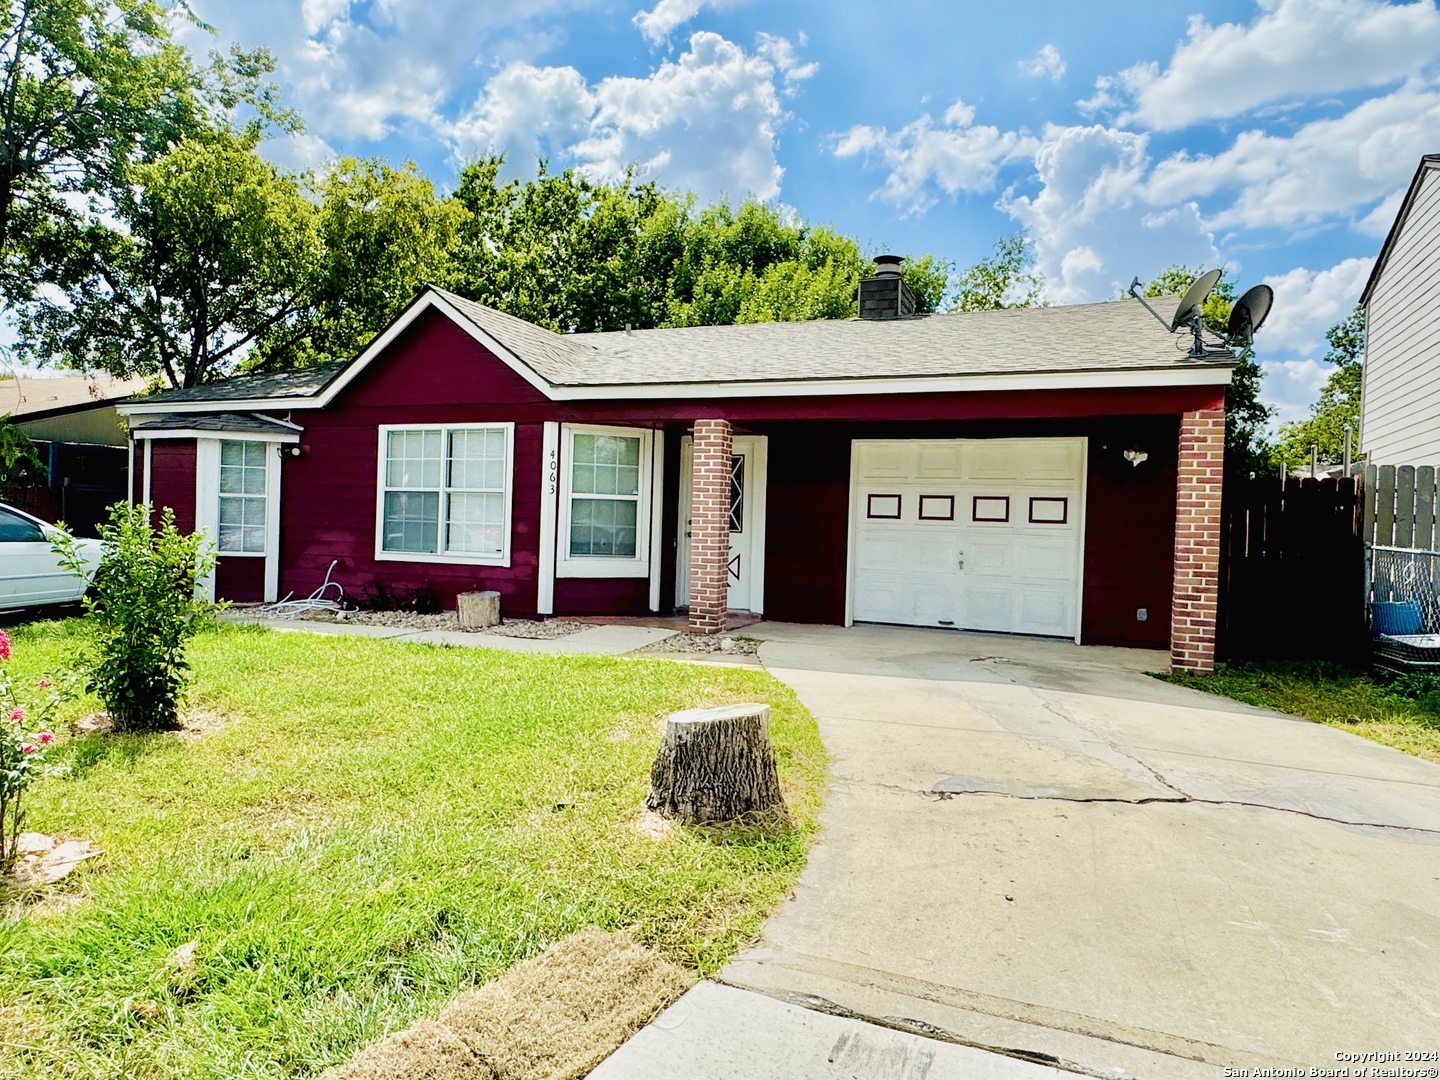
(606, 502)
(445, 492)
(242, 497)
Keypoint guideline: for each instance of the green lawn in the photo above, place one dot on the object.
(373, 827)
(1403, 713)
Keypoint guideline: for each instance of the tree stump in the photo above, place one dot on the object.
(715, 765)
(478, 609)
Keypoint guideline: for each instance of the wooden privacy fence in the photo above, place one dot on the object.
(1292, 570)
(1400, 506)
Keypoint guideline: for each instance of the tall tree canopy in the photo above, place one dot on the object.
(1003, 279)
(1247, 419)
(210, 259)
(1339, 405)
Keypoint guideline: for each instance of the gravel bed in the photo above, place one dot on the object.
(450, 620)
(704, 643)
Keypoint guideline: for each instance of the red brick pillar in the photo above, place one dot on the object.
(1197, 541)
(709, 526)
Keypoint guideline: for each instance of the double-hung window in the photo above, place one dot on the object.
(242, 497)
(605, 504)
(445, 493)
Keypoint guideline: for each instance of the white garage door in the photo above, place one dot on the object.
(979, 534)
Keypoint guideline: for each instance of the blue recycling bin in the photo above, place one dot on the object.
(1395, 617)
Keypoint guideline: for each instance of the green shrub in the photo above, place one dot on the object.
(143, 611)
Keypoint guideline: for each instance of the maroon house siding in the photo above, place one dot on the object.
(240, 579)
(1130, 533)
(173, 485)
(435, 373)
(137, 473)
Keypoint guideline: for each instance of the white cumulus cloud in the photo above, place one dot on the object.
(1046, 64)
(1292, 49)
(1309, 302)
(667, 16)
(1290, 387)
(1091, 224)
(706, 122)
(957, 155)
(1326, 168)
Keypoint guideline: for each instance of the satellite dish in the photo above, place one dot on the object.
(1193, 298)
(1249, 313)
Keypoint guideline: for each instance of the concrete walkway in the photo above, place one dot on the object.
(1038, 847)
(606, 640)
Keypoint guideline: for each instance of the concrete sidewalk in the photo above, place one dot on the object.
(605, 640)
(720, 1032)
(1035, 846)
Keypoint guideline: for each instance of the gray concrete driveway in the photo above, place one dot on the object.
(1037, 847)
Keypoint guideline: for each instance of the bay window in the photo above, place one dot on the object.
(444, 493)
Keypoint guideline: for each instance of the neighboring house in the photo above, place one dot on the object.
(1045, 471)
(82, 440)
(1400, 400)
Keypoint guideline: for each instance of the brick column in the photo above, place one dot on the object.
(709, 526)
(1197, 541)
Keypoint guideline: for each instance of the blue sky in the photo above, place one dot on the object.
(1274, 137)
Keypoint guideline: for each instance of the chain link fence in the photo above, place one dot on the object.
(1405, 607)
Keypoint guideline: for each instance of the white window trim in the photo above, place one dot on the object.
(502, 559)
(593, 566)
(271, 474)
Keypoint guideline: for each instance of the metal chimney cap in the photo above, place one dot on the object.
(888, 265)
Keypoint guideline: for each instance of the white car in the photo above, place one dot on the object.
(30, 571)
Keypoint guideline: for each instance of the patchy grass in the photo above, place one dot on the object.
(373, 827)
(1403, 712)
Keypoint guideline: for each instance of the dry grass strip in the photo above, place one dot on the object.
(554, 1017)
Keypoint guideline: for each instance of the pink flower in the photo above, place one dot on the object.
(4, 645)
(17, 715)
(46, 738)
(43, 684)
(29, 748)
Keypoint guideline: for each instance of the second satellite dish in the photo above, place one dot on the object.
(1193, 298)
(1249, 313)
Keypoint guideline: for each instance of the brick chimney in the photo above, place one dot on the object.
(884, 295)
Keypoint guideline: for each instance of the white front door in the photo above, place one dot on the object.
(978, 534)
(746, 568)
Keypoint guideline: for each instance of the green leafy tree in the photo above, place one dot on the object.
(143, 612)
(1003, 279)
(17, 448)
(86, 84)
(380, 234)
(580, 255)
(1338, 408)
(212, 256)
(1247, 419)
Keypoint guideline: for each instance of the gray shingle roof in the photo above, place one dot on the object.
(233, 422)
(300, 383)
(1116, 336)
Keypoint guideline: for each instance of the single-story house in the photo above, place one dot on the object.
(1046, 471)
(82, 441)
(1399, 406)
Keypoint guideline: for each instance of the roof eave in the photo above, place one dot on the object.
(1428, 162)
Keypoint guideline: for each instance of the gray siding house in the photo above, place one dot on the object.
(1400, 401)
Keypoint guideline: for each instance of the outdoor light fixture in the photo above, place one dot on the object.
(292, 451)
(1134, 457)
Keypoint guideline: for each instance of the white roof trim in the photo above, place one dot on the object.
(922, 384)
(861, 387)
(225, 436)
(414, 311)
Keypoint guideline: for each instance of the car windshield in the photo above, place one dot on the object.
(15, 529)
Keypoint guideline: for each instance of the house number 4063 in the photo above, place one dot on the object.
(552, 470)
